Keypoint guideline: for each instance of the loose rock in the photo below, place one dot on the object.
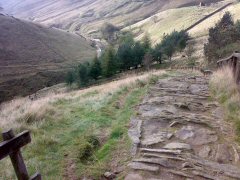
(143, 166)
(204, 152)
(177, 145)
(133, 177)
(223, 154)
(109, 175)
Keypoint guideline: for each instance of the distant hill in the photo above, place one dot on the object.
(33, 56)
(181, 18)
(87, 16)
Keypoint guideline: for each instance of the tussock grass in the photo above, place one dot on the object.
(23, 109)
(225, 89)
(85, 129)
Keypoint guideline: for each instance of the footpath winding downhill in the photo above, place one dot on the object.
(179, 133)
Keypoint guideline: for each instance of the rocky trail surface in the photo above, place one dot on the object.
(180, 134)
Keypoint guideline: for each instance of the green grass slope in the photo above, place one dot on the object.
(87, 16)
(65, 129)
(33, 56)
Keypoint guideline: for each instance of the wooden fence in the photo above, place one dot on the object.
(233, 62)
(11, 147)
(205, 72)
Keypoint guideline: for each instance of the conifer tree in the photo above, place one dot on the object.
(109, 65)
(95, 69)
(70, 78)
(147, 43)
(83, 74)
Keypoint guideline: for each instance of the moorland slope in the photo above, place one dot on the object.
(33, 56)
(87, 16)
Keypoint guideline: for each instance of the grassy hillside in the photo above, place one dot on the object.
(202, 29)
(33, 56)
(178, 19)
(61, 125)
(87, 16)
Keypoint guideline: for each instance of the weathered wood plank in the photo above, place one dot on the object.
(15, 153)
(9, 146)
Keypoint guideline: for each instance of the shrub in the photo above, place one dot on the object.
(189, 50)
(138, 54)
(109, 63)
(171, 43)
(125, 55)
(85, 151)
(156, 53)
(221, 37)
(94, 141)
(147, 61)
(147, 44)
(130, 53)
(70, 78)
(83, 74)
(87, 147)
(95, 68)
(108, 31)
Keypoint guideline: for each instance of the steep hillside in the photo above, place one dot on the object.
(176, 19)
(28, 50)
(202, 28)
(87, 16)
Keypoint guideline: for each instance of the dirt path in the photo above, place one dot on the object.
(180, 134)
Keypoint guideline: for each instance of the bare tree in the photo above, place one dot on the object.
(147, 61)
(190, 49)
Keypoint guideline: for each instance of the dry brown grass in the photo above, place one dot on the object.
(17, 111)
(225, 89)
(223, 82)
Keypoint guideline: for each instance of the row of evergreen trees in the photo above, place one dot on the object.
(128, 54)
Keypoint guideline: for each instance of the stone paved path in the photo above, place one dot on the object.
(180, 134)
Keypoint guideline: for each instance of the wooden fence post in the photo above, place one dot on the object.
(11, 146)
(16, 158)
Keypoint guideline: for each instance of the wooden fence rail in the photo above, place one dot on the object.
(11, 147)
(205, 72)
(233, 62)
